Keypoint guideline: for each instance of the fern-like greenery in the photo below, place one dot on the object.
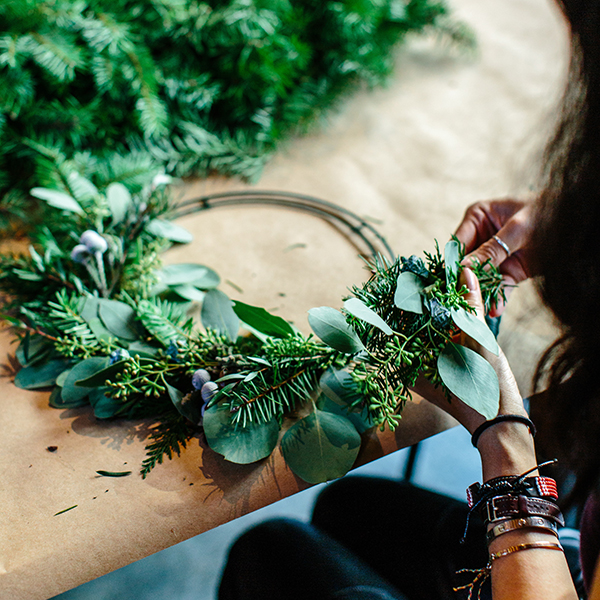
(110, 90)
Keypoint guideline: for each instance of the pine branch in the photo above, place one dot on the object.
(169, 436)
(98, 83)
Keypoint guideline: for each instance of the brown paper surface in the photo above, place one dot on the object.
(446, 131)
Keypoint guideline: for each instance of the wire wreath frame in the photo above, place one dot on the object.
(359, 232)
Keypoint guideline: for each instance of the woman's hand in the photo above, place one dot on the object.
(512, 221)
(510, 398)
(506, 448)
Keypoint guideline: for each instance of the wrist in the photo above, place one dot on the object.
(506, 449)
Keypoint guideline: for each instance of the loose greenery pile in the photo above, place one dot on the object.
(104, 324)
(113, 89)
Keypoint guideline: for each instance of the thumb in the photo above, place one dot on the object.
(473, 296)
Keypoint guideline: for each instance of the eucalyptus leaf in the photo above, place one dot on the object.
(89, 308)
(361, 311)
(471, 378)
(408, 295)
(157, 289)
(189, 406)
(451, 259)
(478, 330)
(189, 292)
(239, 445)
(360, 419)
(118, 318)
(41, 375)
(321, 447)
(339, 386)
(263, 321)
(331, 327)
(170, 231)
(98, 378)
(104, 406)
(142, 349)
(32, 350)
(208, 281)
(60, 380)
(189, 273)
(57, 199)
(218, 314)
(119, 201)
(99, 330)
(71, 392)
(57, 401)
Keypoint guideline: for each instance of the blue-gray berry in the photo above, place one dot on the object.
(93, 241)
(209, 389)
(199, 378)
(118, 354)
(80, 253)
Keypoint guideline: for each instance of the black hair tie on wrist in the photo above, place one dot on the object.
(499, 419)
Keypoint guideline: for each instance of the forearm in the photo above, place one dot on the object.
(534, 574)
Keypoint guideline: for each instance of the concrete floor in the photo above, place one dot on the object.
(446, 463)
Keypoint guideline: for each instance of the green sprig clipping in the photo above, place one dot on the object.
(105, 325)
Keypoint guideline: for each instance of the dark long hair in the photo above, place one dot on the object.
(566, 247)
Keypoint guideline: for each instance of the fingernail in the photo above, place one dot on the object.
(471, 280)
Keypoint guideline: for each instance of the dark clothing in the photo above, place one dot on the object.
(370, 539)
(283, 559)
(590, 539)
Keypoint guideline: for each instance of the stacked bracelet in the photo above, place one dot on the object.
(522, 523)
(510, 503)
(535, 487)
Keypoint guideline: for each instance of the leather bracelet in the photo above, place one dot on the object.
(501, 419)
(501, 508)
(522, 523)
(536, 487)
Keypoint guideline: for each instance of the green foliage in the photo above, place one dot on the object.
(321, 446)
(414, 309)
(104, 324)
(113, 89)
(169, 436)
(241, 445)
(470, 377)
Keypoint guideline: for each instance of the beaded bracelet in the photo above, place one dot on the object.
(536, 487)
(500, 419)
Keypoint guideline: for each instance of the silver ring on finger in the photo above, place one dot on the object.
(502, 245)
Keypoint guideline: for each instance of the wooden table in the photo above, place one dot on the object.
(118, 521)
(447, 131)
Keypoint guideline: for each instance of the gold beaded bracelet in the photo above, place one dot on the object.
(529, 546)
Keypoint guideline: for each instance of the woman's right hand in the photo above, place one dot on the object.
(512, 221)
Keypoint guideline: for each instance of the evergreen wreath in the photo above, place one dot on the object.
(110, 90)
(103, 323)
